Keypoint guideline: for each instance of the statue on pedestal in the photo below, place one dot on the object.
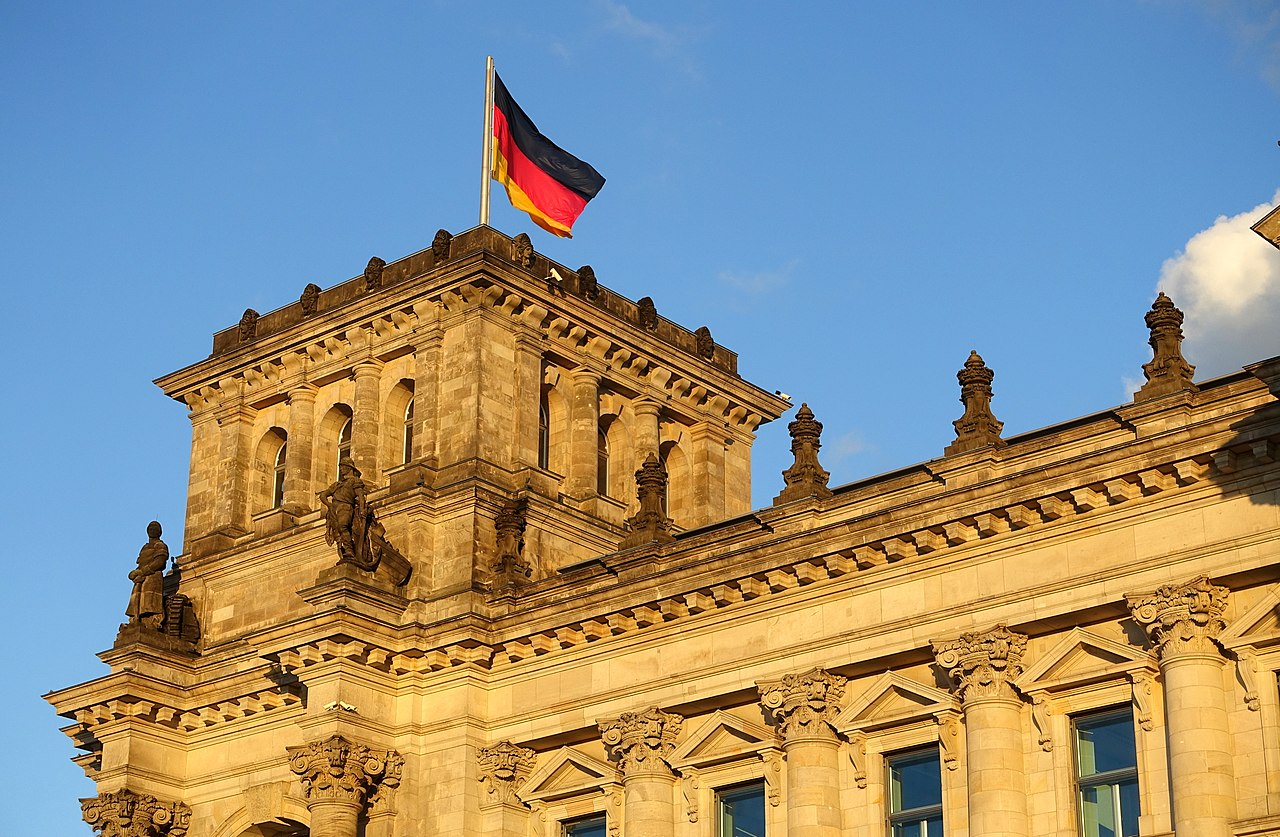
(146, 602)
(355, 529)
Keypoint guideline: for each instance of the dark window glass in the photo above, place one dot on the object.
(408, 433)
(915, 794)
(1107, 775)
(277, 479)
(741, 811)
(344, 447)
(544, 435)
(602, 463)
(589, 827)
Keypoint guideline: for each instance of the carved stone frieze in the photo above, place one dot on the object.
(641, 741)
(504, 767)
(803, 706)
(124, 813)
(978, 427)
(806, 477)
(983, 664)
(1182, 618)
(338, 769)
(1168, 371)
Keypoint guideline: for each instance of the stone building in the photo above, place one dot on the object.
(1072, 631)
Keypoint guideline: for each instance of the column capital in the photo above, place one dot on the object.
(983, 664)
(504, 767)
(641, 741)
(302, 392)
(339, 770)
(1182, 619)
(367, 366)
(586, 373)
(803, 706)
(646, 406)
(124, 813)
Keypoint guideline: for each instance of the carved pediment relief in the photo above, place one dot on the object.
(1083, 657)
(1259, 626)
(566, 772)
(723, 737)
(893, 699)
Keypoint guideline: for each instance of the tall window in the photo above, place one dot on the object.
(588, 827)
(915, 794)
(277, 478)
(740, 811)
(1107, 775)
(544, 434)
(344, 446)
(602, 462)
(408, 434)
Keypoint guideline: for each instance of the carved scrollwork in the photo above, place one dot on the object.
(1182, 618)
(127, 814)
(504, 767)
(336, 768)
(803, 706)
(641, 741)
(983, 665)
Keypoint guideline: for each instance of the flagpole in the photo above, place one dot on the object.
(487, 165)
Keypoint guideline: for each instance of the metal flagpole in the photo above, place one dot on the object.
(487, 173)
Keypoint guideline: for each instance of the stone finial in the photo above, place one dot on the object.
(648, 313)
(805, 478)
(373, 274)
(124, 813)
(504, 767)
(1182, 618)
(803, 706)
(248, 325)
(650, 523)
(1168, 372)
(509, 524)
(703, 342)
(310, 299)
(588, 287)
(641, 741)
(440, 245)
(522, 250)
(338, 769)
(978, 427)
(983, 664)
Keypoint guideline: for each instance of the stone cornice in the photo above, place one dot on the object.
(641, 742)
(1182, 619)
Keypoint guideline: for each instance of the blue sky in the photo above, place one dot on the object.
(850, 195)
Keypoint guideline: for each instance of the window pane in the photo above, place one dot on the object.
(592, 827)
(1105, 743)
(1129, 808)
(923, 827)
(742, 812)
(915, 781)
(1098, 813)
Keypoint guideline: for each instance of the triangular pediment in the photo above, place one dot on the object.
(564, 773)
(1082, 657)
(891, 699)
(1259, 625)
(722, 737)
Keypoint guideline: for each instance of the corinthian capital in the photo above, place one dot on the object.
(503, 769)
(127, 814)
(337, 769)
(983, 665)
(1182, 618)
(641, 741)
(803, 706)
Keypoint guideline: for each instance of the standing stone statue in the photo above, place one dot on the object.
(146, 602)
(352, 525)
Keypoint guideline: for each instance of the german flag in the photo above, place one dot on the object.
(540, 177)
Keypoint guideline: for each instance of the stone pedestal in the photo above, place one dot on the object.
(641, 742)
(802, 707)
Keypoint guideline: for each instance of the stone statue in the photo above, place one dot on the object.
(648, 313)
(310, 299)
(587, 284)
(146, 602)
(522, 250)
(352, 525)
(440, 245)
(706, 345)
(248, 325)
(373, 274)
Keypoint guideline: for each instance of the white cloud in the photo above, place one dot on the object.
(1255, 27)
(762, 282)
(843, 447)
(1227, 281)
(668, 44)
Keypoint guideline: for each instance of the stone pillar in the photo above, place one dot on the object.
(707, 466)
(641, 742)
(983, 667)
(1184, 622)
(235, 421)
(584, 427)
(648, 439)
(339, 778)
(366, 420)
(124, 812)
(528, 397)
(298, 494)
(504, 767)
(802, 707)
(426, 392)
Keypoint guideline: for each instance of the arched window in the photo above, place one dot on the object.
(544, 434)
(277, 479)
(602, 462)
(344, 446)
(408, 433)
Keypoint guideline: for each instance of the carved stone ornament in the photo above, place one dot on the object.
(803, 706)
(127, 814)
(373, 274)
(248, 325)
(805, 478)
(503, 769)
(983, 665)
(1168, 371)
(440, 245)
(310, 299)
(978, 427)
(340, 770)
(588, 287)
(641, 741)
(1182, 618)
(650, 523)
(352, 525)
(704, 343)
(509, 524)
(522, 250)
(648, 314)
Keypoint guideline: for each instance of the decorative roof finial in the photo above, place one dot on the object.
(440, 245)
(1168, 372)
(978, 427)
(651, 522)
(805, 478)
(373, 274)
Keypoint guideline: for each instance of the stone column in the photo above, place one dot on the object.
(707, 466)
(584, 427)
(1184, 622)
(366, 420)
(641, 742)
(527, 373)
(648, 439)
(299, 496)
(339, 778)
(235, 420)
(124, 812)
(504, 767)
(426, 391)
(983, 667)
(802, 707)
